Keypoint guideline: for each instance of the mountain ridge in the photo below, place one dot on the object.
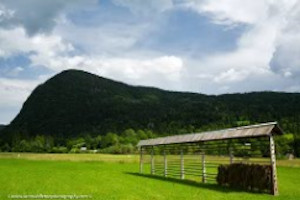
(75, 102)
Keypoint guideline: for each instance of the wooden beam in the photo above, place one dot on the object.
(230, 155)
(165, 164)
(152, 161)
(203, 167)
(273, 164)
(181, 165)
(141, 160)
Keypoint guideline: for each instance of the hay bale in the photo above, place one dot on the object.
(245, 176)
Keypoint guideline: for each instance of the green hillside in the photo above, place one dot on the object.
(2, 127)
(74, 103)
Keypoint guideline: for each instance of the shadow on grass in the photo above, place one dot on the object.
(210, 186)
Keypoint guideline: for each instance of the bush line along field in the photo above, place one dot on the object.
(126, 142)
(115, 177)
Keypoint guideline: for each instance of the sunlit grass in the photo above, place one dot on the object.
(71, 157)
(116, 177)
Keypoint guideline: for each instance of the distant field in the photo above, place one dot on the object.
(115, 177)
(112, 158)
(71, 157)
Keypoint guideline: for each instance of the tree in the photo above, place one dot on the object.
(75, 143)
(150, 134)
(24, 146)
(49, 143)
(110, 139)
(141, 134)
(129, 137)
(38, 144)
(97, 142)
(6, 148)
(284, 144)
(88, 140)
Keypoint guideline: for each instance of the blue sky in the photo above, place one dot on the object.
(206, 46)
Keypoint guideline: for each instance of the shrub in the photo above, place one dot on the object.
(59, 150)
(245, 176)
(119, 149)
(75, 150)
(112, 149)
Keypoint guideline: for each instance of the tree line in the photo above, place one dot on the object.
(126, 141)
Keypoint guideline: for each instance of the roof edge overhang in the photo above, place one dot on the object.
(264, 129)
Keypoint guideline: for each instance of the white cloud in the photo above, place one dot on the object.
(231, 11)
(52, 52)
(269, 24)
(5, 13)
(55, 53)
(139, 71)
(161, 71)
(231, 76)
(286, 60)
(109, 38)
(14, 91)
(14, 41)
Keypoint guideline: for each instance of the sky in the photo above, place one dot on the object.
(203, 46)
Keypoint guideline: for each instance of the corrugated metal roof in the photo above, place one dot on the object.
(265, 129)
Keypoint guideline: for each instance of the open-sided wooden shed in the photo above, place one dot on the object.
(206, 142)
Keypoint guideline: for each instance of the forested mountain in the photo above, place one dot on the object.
(75, 103)
(2, 127)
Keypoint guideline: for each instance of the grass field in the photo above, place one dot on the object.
(116, 177)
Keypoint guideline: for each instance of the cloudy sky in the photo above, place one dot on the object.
(205, 46)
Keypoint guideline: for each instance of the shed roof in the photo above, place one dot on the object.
(265, 129)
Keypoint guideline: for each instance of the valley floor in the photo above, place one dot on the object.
(115, 177)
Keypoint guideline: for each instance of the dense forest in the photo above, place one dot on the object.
(76, 109)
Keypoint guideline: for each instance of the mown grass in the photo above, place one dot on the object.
(71, 157)
(120, 158)
(116, 177)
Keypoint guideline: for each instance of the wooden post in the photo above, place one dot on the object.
(230, 155)
(141, 160)
(152, 161)
(181, 165)
(165, 164)
(203, 167)
(273, 164)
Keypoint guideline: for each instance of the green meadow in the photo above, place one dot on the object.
(103, 176)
